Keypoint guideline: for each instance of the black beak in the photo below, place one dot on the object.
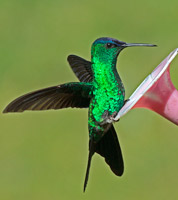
(138, 45)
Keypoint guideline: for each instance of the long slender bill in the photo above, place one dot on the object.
(138, 45)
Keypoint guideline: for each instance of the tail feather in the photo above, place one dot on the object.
(91, 153)
(109, 148)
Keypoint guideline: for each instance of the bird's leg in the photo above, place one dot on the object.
(116, 114)
(126, 101)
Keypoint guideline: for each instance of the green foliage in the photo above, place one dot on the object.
(43, 155)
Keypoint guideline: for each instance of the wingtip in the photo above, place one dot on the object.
(10, 110)
(5, 111)
(70, 57)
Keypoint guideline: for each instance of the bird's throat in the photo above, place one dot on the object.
(105, 75)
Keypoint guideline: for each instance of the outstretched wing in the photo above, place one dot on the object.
(57, 97)
(81, 68)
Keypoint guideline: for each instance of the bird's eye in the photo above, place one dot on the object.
(110, 45)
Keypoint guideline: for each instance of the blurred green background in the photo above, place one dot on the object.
(43, 155)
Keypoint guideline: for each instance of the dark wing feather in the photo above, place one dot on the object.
(81, 68)
(57, 97)
(109, 148)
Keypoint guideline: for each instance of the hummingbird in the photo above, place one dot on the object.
(100, 89)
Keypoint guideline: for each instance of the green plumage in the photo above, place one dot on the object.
(108, 93)
(100, 88)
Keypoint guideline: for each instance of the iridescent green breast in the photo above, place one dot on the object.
(109, 99)
(108, 94)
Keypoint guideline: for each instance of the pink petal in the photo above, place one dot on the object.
(156, 93)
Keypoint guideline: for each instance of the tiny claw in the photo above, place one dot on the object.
(126, 101)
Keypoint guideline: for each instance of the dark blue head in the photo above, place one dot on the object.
(109, 41)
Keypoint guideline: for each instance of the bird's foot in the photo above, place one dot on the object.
(112, 117)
